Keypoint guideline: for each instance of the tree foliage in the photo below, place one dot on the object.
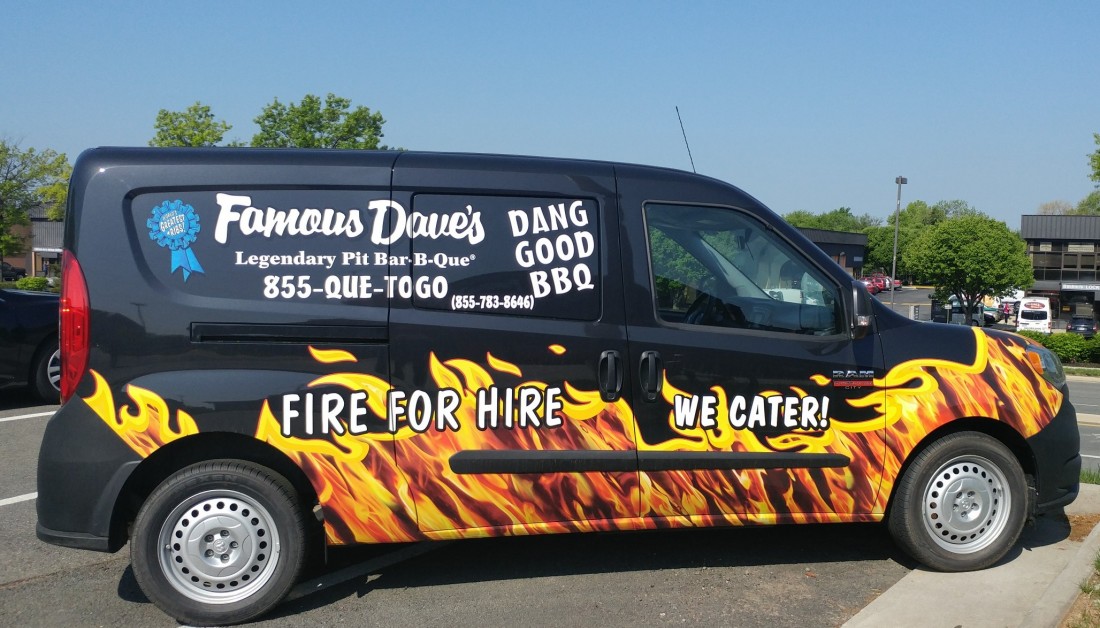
(956, 209)
(971, 257)
(1090, 205)
(194, 127)
(1056, 208)
(1094, 160)
(313, 124)
(29, 179)
(840, 219)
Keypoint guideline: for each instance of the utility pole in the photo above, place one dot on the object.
(897, 215)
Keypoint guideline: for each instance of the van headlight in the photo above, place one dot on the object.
(1047, 364)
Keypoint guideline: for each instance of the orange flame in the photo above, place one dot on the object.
(380, 486)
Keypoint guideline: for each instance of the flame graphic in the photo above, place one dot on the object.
(382, 487)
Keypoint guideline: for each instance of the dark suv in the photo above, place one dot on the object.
(11, 273)
(1084, 325)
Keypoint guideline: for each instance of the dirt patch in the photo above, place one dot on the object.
(1081, 525)
(1081, 614)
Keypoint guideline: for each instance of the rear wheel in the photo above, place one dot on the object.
(46, 374)
(962, 503)
(219, 542)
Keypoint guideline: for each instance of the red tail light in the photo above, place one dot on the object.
(74, 325)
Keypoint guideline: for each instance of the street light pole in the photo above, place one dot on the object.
(897, 215)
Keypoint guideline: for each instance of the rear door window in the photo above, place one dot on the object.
(521, 256)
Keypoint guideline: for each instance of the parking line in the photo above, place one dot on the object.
(18, 498)
(25, 416)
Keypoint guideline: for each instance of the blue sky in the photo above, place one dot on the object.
(805, 105)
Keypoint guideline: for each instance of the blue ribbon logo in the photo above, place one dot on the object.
(176, 226)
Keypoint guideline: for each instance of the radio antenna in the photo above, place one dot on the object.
(685, 138)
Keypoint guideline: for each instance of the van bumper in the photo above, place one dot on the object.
(82, 467)
(1057, 451)
(77, 540)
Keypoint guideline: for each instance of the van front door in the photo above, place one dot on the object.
(753, 401)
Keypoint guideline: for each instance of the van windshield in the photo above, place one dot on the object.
(1031, 315)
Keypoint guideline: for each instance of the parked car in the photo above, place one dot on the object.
(1084, 325)
(28, 342)
(11, 273)
(871, 286)
(878, 281)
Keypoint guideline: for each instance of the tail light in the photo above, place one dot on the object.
(74, 325)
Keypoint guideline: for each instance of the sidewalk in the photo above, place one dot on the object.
(1033, 587)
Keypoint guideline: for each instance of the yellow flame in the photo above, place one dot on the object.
(330, 356)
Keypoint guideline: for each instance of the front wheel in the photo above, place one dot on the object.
(962, 503)
(219, 542)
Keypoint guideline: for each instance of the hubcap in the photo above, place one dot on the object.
(53, 369)
(966, 504)
(219, 547)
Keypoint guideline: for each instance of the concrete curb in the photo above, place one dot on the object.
(1059, 597)
(1036, 586)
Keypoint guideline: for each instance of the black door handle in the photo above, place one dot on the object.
(610, 375)
(649, 374)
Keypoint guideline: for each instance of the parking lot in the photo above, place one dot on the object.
(783, 576)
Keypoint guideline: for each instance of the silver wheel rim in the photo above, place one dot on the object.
(218, 547)
(966, 504)
(53, 369)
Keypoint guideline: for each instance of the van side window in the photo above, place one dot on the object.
(521, 256)
(720, 267)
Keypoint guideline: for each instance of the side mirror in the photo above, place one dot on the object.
(862, 313)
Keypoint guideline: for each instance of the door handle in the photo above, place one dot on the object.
(610, 375)
(649, 374)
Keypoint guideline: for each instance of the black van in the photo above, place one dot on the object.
(268, 351)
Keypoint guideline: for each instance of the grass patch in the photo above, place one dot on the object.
(1090, 476)
(1077, 370)
(1085, 612)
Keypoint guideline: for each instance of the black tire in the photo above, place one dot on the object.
(213, 515)
(961, 505)
(46, 372)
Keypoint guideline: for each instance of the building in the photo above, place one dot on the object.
(846, 248)
(43, 240)
(1063, 252)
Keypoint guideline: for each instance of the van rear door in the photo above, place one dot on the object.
(508, 344)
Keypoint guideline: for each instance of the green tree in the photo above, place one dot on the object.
(313, 124)
(913, 220)
(802, 218)
(1090, 205)
(971, 257)
(28, 179)
(956, 209)
(839, 219)
(194, 127)
(880, 249)
(1094, 160)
